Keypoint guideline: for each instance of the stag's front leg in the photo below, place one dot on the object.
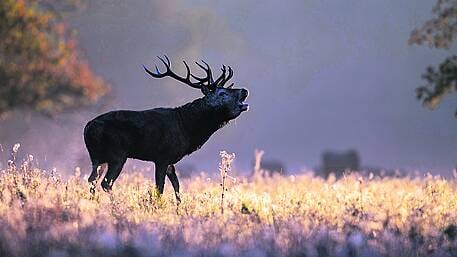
(160, 173)
(97, 171)
(171, 174)
(114, 169)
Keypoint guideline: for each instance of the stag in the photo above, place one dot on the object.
(163, 135)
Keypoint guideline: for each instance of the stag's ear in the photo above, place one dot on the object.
(205, 90)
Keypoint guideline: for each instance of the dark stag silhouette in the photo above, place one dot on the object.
(163, 135)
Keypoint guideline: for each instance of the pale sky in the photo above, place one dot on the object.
(322, 74)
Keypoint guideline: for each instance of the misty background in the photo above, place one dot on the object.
(322, 75)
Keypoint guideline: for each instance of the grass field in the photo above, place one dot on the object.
(42, 214)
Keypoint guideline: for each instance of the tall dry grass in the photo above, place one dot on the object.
(42, 214)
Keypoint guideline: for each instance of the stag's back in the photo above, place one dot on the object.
(150, 135)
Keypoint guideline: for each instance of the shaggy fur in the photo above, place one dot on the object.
(161, 135)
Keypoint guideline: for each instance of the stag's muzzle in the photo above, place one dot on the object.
(243, 95)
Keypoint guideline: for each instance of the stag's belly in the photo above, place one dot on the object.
(168, 149)
(160, 141)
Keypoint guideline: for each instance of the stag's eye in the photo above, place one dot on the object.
(222, 94)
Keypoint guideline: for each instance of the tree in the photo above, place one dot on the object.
(40, 66)
(438, 32)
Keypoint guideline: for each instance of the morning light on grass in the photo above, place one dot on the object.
(44, 214)
(127, 128)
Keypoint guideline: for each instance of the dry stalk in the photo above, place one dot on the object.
(225, 166)
(257, 166)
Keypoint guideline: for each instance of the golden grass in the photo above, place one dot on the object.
(42, 214)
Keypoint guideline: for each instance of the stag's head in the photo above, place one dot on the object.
(226, 100)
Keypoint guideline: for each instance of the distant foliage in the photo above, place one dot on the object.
(339, 162)
(441, 82)
(438, 32)
(40, 67)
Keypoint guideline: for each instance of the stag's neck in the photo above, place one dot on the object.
(199, 121)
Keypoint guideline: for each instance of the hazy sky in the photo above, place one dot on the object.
(322, 74)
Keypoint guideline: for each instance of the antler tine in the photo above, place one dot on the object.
(168, 60)
(158, 74)
(209, 75)
(208, 71)
(155, 75)
(163, 61)
(170, 73)
(187, 69)
(200, 80)
(230, 74)
(221, 77)
(189, 75)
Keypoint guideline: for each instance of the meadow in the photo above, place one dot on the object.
(44, 214)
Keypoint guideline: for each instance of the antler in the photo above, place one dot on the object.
(208, 80)
(209, 75)
(186, 80)
(220, 82)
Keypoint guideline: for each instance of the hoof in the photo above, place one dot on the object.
(106, 186)
(178, 199)
(92, 188)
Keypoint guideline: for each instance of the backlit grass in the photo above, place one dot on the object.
(42, 214)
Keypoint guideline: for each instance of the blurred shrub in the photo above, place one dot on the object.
(438, 32)
(40, 67)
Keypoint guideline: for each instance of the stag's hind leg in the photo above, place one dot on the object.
(171, 174)
(97, 171)
(160, 173)
(114, 169)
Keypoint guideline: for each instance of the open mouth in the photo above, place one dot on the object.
(243, 106)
